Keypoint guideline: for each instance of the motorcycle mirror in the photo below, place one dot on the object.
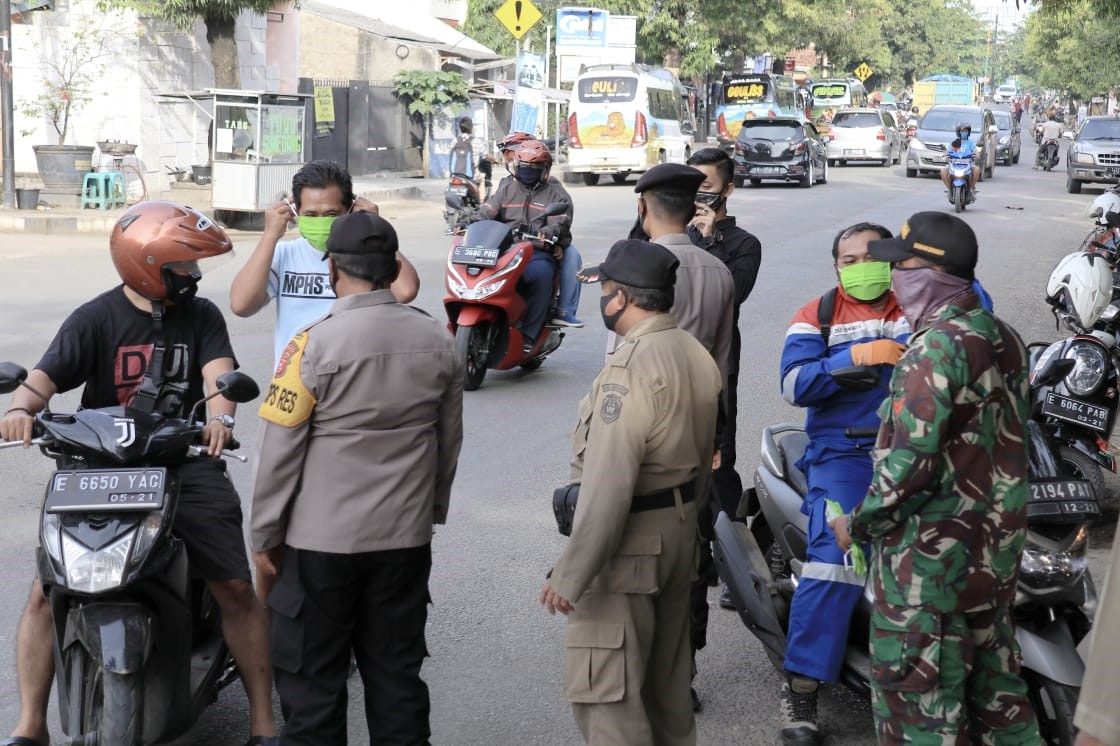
(856, 377)
(454, 201)
(555, 208)
(11, 376)
(237, 387)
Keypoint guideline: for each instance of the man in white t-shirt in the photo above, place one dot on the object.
(293, 272)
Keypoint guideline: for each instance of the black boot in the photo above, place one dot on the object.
(797, 713)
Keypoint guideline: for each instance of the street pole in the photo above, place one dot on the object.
(8, 150)
(543, 121)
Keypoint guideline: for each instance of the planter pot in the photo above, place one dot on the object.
(27, 199)
(202, 174)
(62, 167)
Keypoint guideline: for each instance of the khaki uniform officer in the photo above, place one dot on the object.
(643, 454)
(362, 429)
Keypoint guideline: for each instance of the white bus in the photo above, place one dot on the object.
(624, 119)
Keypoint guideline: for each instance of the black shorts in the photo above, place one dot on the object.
(209, 521)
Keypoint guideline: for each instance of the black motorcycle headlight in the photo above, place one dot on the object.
(1041, 568)
(1089, 368)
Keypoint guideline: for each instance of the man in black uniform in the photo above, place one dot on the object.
(107, 345)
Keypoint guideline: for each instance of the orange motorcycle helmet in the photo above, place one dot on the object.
(536, 155)
(159, 248)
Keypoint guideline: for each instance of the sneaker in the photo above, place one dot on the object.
(528, 346)
(566, 319)
(797, 712)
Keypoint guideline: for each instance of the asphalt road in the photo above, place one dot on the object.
(496, 656)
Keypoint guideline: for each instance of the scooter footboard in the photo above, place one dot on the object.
(743, 567)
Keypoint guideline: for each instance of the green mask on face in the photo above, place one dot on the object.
(866, 281)
(315, 230)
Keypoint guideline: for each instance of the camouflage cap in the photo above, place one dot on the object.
(937, 237)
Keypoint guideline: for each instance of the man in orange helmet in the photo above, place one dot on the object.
(149, 343)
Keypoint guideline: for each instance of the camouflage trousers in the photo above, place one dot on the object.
(948, 679)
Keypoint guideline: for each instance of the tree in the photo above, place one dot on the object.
(426, 92)
(1074, 47)
(220, 17)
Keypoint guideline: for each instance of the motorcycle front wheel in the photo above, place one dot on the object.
(959, 199)
(104, 703)
(1080, 466)
(469, 344)
(1054, 705)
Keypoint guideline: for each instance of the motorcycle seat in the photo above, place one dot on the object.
(793, 448)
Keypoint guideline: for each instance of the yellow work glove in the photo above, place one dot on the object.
(879, 352)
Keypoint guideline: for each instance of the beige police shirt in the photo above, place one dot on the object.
(362, 426)
(704, 302)
(1096, 707)
(648, 425)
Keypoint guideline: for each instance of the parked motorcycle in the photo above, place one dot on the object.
(960, 181)
(482, 302)
(1047, 156)
(460, 199)
(762, 560)
(138, 644)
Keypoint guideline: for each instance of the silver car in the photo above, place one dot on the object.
(1094, 154)
(864, 135)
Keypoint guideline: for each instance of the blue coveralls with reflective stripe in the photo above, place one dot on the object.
(837, 467)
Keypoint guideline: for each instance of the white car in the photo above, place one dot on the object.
(1003, 94)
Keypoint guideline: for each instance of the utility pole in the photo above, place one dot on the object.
(8, 150)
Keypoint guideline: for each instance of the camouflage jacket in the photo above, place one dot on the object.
(947, 506)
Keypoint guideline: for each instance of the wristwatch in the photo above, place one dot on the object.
(224, 419)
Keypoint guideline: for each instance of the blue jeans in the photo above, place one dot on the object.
(570, 285)
(536, 285)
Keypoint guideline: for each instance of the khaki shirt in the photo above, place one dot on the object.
(1096, 707)
(362, 426)
(647, 425)
(704, 302)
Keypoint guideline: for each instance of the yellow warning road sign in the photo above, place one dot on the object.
(863, 72)
(518, 16)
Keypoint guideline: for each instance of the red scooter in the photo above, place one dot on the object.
(482, 303)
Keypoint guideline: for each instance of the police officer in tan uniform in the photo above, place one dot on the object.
(361, 436)
(643, 456)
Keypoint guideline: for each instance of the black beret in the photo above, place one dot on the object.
(670, 177)
(639, 264)
(361, 234)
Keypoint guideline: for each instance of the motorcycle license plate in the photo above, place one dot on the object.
(1067, 497)
(1078, 412)
(104, 490)
(475, 256)
(460, 190)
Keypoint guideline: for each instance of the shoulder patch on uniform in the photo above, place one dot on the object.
(611, 409)
(288, 403)
(615, 387)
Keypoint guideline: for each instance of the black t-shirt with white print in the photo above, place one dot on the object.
(107, 345)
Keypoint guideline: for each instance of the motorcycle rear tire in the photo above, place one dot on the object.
(468, 340)
(1080, 466)
(1054, 705)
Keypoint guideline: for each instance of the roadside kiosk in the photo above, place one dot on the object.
(257, 142)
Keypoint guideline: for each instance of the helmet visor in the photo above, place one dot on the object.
(196, 268)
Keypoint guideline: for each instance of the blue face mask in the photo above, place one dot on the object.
(528, 175)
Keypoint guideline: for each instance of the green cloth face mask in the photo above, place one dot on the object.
(866, 281)
(315, 230)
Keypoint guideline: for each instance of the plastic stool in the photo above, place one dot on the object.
(103, 189)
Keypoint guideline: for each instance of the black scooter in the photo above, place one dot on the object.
(138, 644)
(761, 561)
(1047, 156)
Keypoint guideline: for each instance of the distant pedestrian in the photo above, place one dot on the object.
(359, 446)
(946, 511)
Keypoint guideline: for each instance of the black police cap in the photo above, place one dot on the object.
(938, 237)
(639, 264)
(670, 177)
(361, 234)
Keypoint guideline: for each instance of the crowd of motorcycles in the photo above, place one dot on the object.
(137, 639)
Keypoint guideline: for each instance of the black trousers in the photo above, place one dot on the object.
(375, 605)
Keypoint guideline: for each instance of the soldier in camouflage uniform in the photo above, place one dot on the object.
(946, 511)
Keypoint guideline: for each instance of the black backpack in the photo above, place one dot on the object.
(824, 314)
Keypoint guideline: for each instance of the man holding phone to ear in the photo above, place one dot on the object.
(293, 272)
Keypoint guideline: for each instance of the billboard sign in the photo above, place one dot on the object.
(579, 29)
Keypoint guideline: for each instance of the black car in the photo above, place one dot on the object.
(782, 150)
(1009, 141)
